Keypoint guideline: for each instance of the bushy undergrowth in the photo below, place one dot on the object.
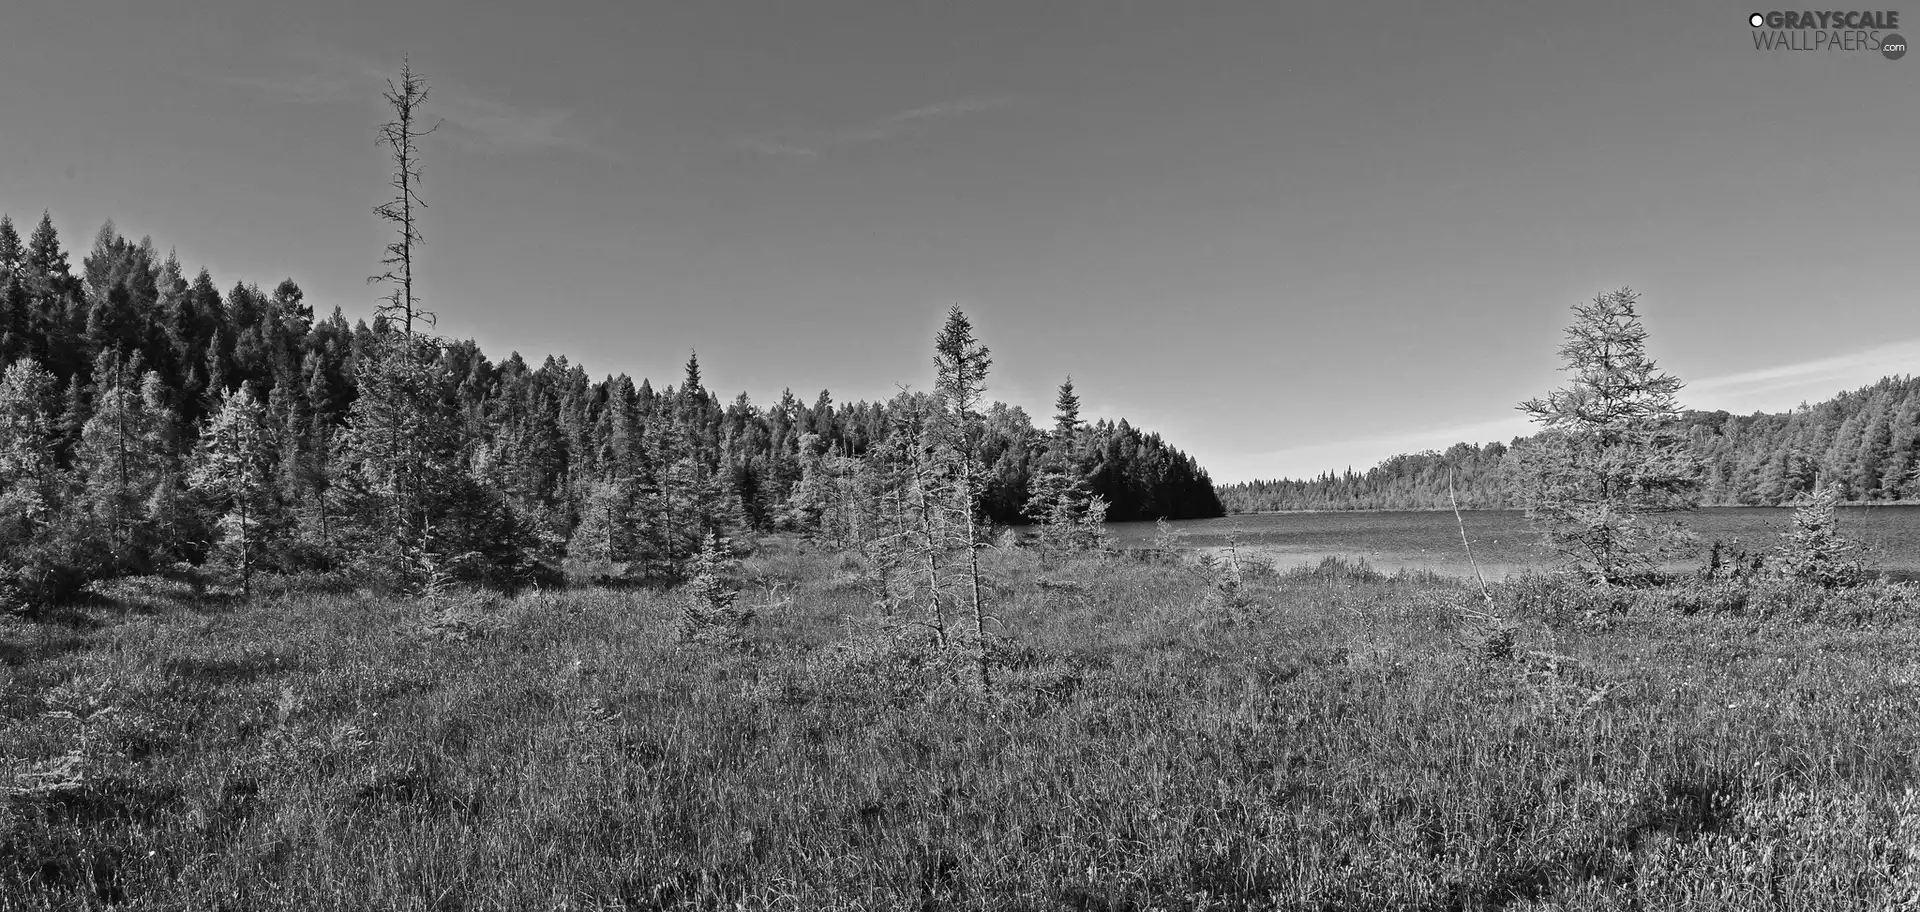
(1327, 739)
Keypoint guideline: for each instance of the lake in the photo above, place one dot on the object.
(1503, 542)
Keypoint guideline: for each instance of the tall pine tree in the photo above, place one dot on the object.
(1611, 455)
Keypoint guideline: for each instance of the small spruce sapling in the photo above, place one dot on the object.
(709, 613)
(1813, 550)
(1168, 541)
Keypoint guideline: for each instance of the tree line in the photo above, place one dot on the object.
(1864, 443)
(149, 419)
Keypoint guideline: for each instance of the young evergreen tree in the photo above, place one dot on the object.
(1072, 519)
(524, 457)
(1611, 454)
(125, 457)
(46, 260)
(301, 472)
(400, 461)
(709, 613)
(15, 313)
(960, 365)
(76, 408)
(607, 543)
(810, 502)
(1070, 516)
(234, 469)
(1814, 550)
(15, 307)
(13, 254)
(910, 557)
(53, 294)
(174, 534)
(1066, 419)
(47, 553)
(30, 484)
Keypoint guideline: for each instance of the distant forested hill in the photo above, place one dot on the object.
(1416, 481)
(1866, 441)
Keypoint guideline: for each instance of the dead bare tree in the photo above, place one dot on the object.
(402, 135)
(404, 360)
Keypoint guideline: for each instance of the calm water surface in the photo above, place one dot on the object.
(1503, 542)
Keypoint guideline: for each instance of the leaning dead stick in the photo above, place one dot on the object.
(1484, 592)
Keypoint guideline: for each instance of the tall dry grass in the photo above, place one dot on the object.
(1332, 739)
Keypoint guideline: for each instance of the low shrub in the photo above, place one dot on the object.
(1353, 570)
(50, 569)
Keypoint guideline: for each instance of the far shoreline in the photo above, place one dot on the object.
(1784, 506)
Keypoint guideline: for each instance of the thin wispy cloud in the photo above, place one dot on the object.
(469, 118)
(1778, 388)
(486, 124)
(814, 142)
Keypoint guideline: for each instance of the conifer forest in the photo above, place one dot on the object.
(155, 422)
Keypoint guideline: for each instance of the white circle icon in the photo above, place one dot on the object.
(1757, 20)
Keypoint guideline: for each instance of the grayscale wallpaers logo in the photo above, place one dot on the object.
(1829, 30)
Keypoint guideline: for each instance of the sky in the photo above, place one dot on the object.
(1288, 236)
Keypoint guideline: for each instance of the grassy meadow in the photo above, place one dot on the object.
(1325, 739)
